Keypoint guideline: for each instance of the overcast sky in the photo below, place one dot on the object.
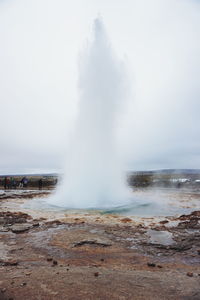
(40, 46)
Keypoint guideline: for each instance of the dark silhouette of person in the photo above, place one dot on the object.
(14, 183)
(5, 182)
(25, 182)
(40, 183)
(11, 185)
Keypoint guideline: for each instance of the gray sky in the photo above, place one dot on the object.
(40, 45)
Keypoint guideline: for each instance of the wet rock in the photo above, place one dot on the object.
(54, 222)
(20, 220)
(164, 222)
(190, 216)
(182, 246)
(97, 242)
(36, 224)
(190, 224)
(195, 215)
(8, 218)
(2, 220)
(8, 263)
(186, 242)
(4, 229)
(19, 228)
(189, 274)
(14, 214)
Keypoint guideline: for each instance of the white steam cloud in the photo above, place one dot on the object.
(94, 176)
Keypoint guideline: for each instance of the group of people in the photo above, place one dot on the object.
(11, 183)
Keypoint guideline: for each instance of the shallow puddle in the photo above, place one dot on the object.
(160, 237)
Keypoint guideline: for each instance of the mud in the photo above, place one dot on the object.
(93, 256)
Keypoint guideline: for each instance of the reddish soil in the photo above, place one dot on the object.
(98, 257)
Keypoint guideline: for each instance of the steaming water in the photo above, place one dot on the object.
(94, 176)
(143, 203)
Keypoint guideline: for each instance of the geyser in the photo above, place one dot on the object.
(94, 176)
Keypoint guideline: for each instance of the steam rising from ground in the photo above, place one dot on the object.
(94, 176)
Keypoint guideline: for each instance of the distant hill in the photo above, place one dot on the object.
(169, 171)
(150, 172)
(31, 175)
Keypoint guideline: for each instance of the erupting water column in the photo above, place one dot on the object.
(94, 177)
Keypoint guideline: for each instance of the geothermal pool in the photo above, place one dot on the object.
(142, 203)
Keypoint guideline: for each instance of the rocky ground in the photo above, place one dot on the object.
(87, 256)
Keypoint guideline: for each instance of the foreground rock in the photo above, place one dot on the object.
(91, 257)
(19, 228)
(8, 217)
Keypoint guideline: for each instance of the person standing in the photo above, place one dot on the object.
(25, 182)
(5, 182)
(21, 183)
(40, 184)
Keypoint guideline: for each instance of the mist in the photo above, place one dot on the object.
(94, 174)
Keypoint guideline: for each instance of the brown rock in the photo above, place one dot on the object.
(54, 222)
(49, 258)
(36, 224)
(151, 264)
(9, 263)
(164, 222)
(189, 274)
(96, 274)
(126, 220)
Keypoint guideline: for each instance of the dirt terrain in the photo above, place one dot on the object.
(46, 255)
